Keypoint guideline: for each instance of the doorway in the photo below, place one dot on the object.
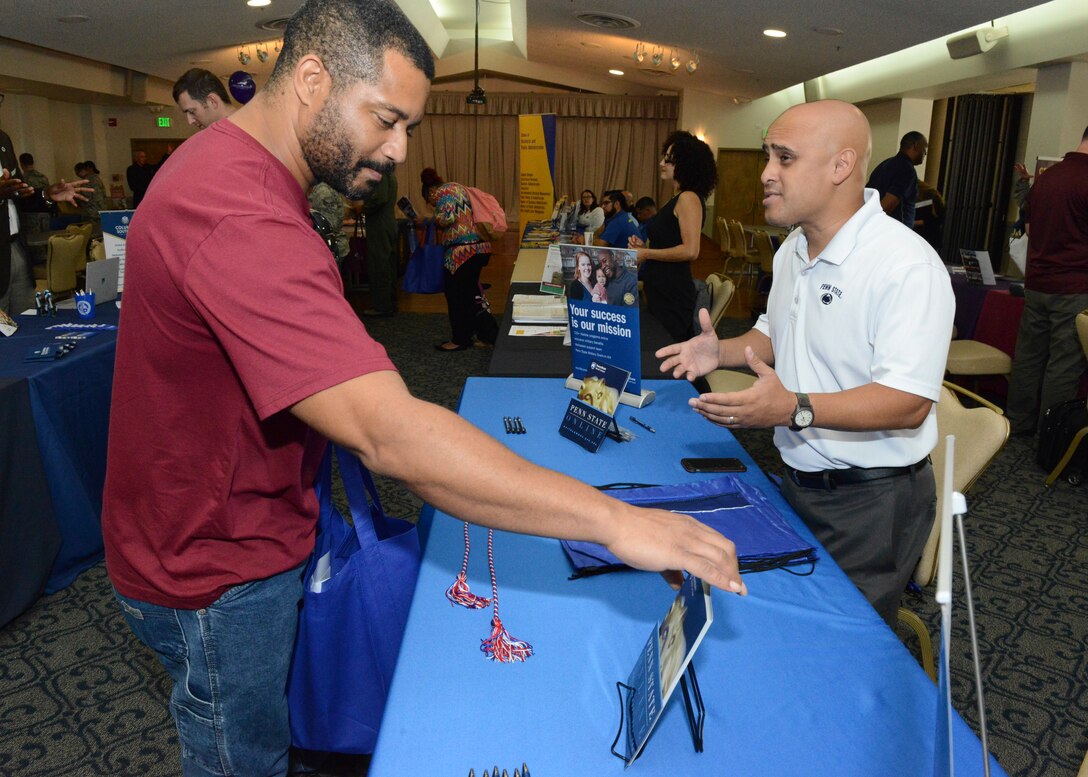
(739, 195)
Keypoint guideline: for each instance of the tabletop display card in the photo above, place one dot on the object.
(602, 299)
(978, 267)
(590, 416)
(7, 326)
(663, 660)
(114, 234)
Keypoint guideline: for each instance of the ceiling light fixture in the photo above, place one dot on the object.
(616, 72)
(258, 3)
(772, 33)
(73, 18)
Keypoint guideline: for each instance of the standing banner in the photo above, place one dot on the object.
(114, 234)
(536, 185)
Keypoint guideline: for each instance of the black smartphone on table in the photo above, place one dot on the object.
(713, 465)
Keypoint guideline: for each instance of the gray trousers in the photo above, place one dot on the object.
(20, 291)
(875, 531)
(1049, 359)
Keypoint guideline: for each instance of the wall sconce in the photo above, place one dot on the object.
(674, 61)
(640, 52)
(262, 52)
(693, 64)
(243, 56)
(658, 55)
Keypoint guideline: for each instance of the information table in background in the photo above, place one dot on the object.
(799, 677)
(969, 299)
(56, 445)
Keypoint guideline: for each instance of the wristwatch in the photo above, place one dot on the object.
(802, 417)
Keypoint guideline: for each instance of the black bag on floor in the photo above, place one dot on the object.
(1060, 425)
(484, 325)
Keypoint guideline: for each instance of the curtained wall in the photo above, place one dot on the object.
(979, 150)
(602, 141)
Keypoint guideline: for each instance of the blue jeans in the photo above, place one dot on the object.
(229, 663)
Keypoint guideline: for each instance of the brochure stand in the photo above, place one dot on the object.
(693, 707)
(633, 400)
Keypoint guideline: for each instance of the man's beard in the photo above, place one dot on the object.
(327, 151)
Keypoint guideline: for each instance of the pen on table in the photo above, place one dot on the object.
(644, 426)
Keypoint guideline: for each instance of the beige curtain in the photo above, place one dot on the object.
(602, 142)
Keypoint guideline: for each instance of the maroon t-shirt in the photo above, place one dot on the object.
(233, 312)
(1057, 215)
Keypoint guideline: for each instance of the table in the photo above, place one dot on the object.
(799, 677)
(529, 265)
(969, 299)
(56, 420)
(999, 320)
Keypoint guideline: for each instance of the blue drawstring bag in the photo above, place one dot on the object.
(764, 539)
(425, 271)
(358, 587)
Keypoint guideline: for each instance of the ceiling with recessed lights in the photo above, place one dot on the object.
(724, 40)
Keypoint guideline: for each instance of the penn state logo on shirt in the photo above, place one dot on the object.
(829, 293)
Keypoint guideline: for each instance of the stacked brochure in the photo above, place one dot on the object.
(539, 309)
(764, 539)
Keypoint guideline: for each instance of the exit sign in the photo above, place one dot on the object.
(164, 121)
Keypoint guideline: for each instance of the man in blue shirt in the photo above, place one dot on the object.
(618, 224)
(896, 180)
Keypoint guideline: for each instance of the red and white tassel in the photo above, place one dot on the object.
(500, 645)
(459, 592)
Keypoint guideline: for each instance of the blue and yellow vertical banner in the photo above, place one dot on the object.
(536, 187)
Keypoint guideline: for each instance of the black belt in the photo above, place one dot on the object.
(833, 478)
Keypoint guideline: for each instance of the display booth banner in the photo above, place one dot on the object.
(536, 186)
(115, 225)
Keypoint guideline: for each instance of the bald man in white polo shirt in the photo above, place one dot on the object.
(849, 356)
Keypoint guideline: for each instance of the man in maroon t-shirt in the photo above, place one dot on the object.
(238, 356)
(1049, 358)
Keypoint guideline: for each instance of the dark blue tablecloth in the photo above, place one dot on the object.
(799, 677)
(63, 412)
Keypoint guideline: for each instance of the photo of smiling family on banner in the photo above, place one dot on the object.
(601, 285)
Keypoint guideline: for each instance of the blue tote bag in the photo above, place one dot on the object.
(424, 274)
(357, 590)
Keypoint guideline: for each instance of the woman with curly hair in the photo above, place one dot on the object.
(466, 254)
(673, 235)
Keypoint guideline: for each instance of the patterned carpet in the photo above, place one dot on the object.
(81, 697)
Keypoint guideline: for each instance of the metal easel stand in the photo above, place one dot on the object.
(693, 707)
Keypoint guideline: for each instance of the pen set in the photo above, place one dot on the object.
(495, 772)
(513, 425)
(43, 302)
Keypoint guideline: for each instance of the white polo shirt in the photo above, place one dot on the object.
(875, 306)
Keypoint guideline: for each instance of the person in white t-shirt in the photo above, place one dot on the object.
(849, 356)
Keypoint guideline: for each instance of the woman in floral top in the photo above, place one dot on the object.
(466, 254)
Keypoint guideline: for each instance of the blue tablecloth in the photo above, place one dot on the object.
(68, 401)
(799, 677)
